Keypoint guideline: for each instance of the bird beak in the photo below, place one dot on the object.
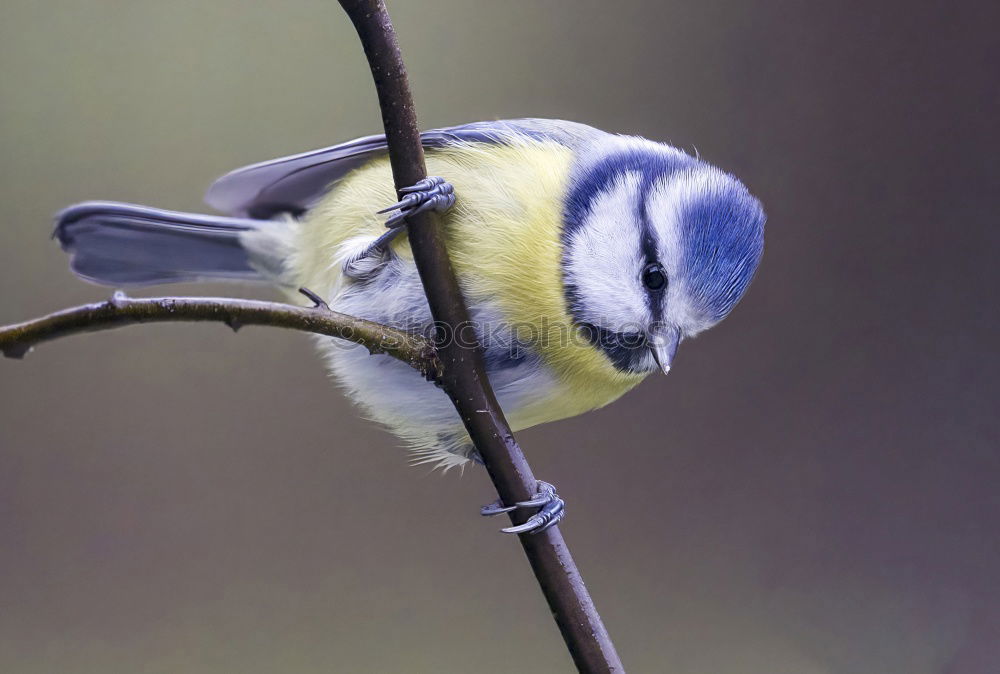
(663, 344)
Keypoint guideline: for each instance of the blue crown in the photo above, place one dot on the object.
(723, 239)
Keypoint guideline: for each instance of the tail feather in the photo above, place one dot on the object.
(127, 245)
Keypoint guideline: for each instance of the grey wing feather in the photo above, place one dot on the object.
(293, 184)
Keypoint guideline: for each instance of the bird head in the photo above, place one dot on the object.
(658, 246)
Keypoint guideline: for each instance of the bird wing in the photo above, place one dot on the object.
(294, 183)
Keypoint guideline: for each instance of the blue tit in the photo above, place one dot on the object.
(585, 257)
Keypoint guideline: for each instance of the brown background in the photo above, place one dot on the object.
(813, 490)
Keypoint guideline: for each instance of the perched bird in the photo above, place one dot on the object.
(585, 258)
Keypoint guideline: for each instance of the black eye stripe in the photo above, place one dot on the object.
(654, 277)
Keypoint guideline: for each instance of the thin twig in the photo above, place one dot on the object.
(119, 311)
(465, 377)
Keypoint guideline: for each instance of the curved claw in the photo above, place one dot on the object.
(550, 515)
(552, 510)
(395, 221)
(495, 508)
(422, 185)
(438, 202)
(429, 194)
(406, 202)
(546, 492)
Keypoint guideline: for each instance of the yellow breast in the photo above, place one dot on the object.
(503, 235)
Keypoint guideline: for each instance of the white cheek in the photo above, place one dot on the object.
(605, 256)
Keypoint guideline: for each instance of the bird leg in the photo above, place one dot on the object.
(551, 509)
(430, 194)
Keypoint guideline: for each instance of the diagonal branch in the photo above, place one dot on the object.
(465, 377)
(119, 311)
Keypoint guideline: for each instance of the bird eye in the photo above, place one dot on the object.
(654, 276)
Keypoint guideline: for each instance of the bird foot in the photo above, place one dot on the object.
(551, 509)
(430, 194)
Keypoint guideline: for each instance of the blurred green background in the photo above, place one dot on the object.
(813, 490)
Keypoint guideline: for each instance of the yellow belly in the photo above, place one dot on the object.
(503, 235)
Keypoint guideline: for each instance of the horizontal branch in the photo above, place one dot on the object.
(121, 310)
